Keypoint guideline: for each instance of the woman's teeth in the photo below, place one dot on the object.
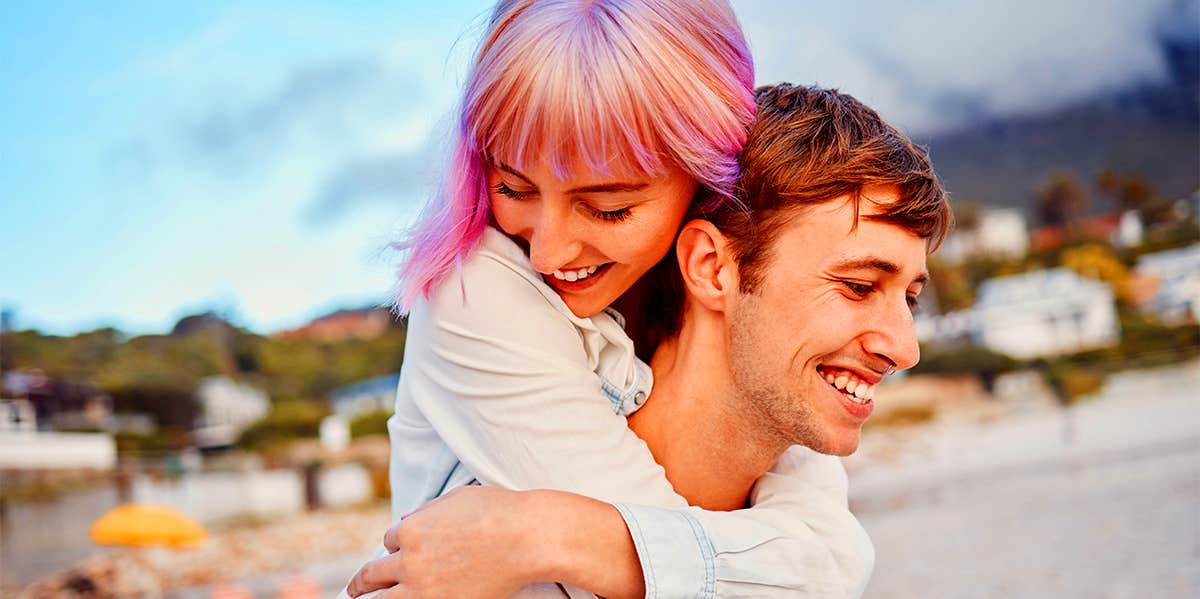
(854, 388)
(574, 275)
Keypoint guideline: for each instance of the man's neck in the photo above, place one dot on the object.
(710, 449)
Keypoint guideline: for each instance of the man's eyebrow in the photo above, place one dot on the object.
(880, 264)
(615, 187)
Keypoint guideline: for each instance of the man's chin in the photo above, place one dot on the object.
(838, 445)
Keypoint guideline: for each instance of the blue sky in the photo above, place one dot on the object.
(255, 158)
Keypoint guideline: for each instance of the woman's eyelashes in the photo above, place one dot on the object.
(612, 216)
(503, 189)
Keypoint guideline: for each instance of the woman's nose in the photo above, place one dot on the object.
(553, 243)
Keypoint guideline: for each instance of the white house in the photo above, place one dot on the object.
(1045, 313)
(226, 409)
(1178, 273)
(1000, 232)
(1035, 314)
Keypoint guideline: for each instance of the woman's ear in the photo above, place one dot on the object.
(706, 264)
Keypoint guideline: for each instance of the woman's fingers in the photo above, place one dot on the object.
(376, 574)
(391, 538)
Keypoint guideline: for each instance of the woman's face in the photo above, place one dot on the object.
(591, 236)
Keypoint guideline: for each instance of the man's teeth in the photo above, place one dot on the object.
(575, 274)
(852, 386)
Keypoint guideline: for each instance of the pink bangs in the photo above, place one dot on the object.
(616, 87)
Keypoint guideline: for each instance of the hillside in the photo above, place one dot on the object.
(1147, 129)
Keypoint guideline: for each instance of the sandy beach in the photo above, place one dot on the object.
(1096, 500)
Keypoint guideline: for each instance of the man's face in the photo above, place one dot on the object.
(832, 314)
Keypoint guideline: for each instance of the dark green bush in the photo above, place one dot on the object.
(370, 423)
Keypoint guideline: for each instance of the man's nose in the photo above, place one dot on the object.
(893, 335)
(553, 243)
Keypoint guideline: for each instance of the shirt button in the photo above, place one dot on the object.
(640, 398)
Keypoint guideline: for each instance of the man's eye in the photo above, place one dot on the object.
(914, 304)
(859, 289)
(504, 190)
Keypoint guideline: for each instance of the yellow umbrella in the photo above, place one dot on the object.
(145, 525)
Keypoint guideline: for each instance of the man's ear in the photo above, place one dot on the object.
(706, 264)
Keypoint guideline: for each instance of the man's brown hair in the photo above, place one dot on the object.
(807, 145)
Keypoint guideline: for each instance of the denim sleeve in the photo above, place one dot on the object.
(674, 550)
(798, 539)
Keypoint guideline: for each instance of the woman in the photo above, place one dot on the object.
(588, 131)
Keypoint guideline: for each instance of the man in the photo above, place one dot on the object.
(790, 311)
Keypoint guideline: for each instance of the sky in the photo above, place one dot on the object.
(256, 158)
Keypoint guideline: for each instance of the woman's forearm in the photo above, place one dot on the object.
(583, 542)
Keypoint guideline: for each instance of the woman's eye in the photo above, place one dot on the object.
(503, 189)
(612, 216)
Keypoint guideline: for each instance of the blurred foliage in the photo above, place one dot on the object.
(369, 423)
(963, 359)
(904, 415)
(158, 374)
(1070, 381)
(287, 420)
(1145, 343)
(1132, 191)
(1061, 200)
(381, 487)
(141, 444)
(968, 213)
(1101, 262)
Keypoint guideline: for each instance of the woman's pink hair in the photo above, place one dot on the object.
(579, 82)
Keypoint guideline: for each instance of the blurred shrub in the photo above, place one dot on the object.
(286, 422)
(1072, 382)
(963, 359)
(380, 485)
(1145, 342)
(904, 415)
(370, 423)
(141, 444)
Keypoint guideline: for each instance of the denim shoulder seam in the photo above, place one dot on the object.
(707, 551)
(639, 541)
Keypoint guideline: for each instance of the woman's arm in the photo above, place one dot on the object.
(799, 539)
(501, 541)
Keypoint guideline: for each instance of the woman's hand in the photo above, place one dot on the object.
(472, 542)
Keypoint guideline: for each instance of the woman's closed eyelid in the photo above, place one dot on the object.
(505, 189)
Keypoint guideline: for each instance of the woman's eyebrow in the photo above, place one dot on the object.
(614, 187)
(512, 171)
(620, 187)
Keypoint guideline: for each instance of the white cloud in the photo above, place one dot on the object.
(931, 65)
